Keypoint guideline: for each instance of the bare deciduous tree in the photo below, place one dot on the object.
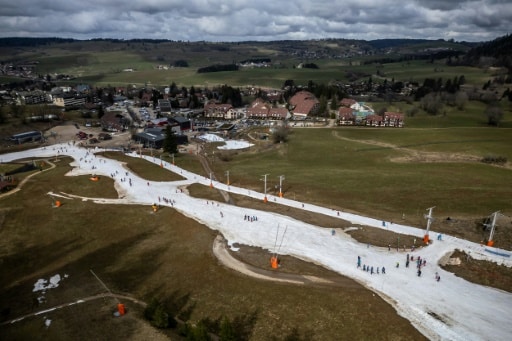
(432, 104)
(461, 99)
(494, 115)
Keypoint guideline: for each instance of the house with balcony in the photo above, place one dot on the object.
(69, 101)
(35, 97)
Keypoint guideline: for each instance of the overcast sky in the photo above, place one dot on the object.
(263, 20)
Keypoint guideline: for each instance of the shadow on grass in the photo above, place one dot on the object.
(239, 328)
(295, 335)
(15, 298)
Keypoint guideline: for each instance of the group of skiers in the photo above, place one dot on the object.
(420, 262)
(250, 218)
(369, 268)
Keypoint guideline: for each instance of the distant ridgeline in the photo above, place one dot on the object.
(26, 41)
(33, 41)
(458, 53)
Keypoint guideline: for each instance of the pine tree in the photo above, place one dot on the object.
(227, 333)
(170, 143)
(334, 103)
(160, 317)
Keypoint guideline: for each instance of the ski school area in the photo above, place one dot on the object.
(439, 304)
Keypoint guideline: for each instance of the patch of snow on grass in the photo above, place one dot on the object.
(211, 138)
(229, 144)
(43, 284)
(235, 144)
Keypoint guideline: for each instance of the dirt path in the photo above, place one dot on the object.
(20, 185)
(220, 251)
(118, 297)
(414, 155)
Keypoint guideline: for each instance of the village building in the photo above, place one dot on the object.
(155, 137)
(235, 113)
(69, 101)
(164, 105)
(146, 99)
(373, 120)
(183, 123)
(259, 109)
(112, 121)
(29, 136)
(304, 104)
(216, 110)
(347, 102)
(393, 119)
(352, 112)
(345, 116)
(34, 97)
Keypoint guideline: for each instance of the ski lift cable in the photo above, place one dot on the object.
(286, 228)
(275, 242)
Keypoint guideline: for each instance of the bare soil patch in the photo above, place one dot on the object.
(481, 272)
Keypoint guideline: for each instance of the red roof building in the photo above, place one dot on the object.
(374, 120)
(347, 102)
(346, 116)
(260, 109)
(304, 104)
(393, 119)
(216, 110)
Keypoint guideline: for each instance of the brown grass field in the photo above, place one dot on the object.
(145, 255)
(167, 256)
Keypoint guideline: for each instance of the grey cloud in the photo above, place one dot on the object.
(442, 5)
(237, 20)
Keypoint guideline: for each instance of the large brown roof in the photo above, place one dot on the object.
(303, 102)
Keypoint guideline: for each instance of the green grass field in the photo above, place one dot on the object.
(385, 173)
(106, 69)
(101, 63)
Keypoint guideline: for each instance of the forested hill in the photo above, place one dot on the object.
(32, 41)
(394, 43)
(375, 44)
(500, 49)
